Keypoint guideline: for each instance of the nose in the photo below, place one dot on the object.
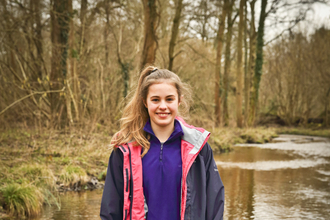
(162, 105)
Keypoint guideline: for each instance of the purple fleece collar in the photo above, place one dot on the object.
(177, 130)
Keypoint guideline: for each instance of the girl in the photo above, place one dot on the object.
(161, 168)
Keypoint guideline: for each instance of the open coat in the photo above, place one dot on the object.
(202, 191)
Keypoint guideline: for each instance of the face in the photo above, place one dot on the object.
(162, 103)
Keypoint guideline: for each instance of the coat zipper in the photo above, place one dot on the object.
(126, 180)
(161, 151)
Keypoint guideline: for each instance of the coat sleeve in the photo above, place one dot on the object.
(113, 192)
(215, 192)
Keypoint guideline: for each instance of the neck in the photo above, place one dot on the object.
(162, 133)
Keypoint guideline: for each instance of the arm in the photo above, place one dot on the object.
(215, 192)
(113, 192)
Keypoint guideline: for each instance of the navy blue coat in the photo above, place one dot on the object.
(205, 190)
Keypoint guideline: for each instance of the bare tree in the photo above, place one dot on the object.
(218, 79)
(259, 60)
(150, 37)
(251, 64)
(60, 18)
(239, 78)
(175, 32)
(229, 34)
(321, 60)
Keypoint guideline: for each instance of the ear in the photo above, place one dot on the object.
(145, 103)
(180, 100)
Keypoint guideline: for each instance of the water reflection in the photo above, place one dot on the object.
(75, 205)
(277, 181)
(273, 165)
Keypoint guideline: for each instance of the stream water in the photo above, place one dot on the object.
(289, 179)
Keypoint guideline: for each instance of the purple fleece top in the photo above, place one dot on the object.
(162, 173)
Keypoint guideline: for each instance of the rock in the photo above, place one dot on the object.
(93, 183)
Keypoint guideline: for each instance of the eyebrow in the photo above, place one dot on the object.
(156, 96)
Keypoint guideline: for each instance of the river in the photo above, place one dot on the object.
(289, 179)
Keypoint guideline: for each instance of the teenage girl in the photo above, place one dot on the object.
(161, 168)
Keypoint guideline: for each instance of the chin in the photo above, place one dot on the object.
(161, 123)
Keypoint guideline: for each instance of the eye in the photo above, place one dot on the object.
(154, 100)
(170, 99)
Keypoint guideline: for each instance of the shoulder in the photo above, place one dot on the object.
(206, 153)
(206, 150)
(116, 156)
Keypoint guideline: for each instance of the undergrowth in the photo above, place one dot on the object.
(35, 166)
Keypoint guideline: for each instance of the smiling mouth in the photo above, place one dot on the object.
(163, 114)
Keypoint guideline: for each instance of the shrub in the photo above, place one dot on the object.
(22, 199)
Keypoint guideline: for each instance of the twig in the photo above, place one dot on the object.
(25, 97)
(203, 56)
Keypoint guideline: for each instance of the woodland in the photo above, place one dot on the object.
(68, 67)
(67, 64)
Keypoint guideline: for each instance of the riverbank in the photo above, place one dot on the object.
(35, 166)
(222, 139)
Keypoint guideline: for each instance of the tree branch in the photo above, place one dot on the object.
(25, 97)
(200, 54)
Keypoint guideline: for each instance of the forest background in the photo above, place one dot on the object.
(67, 68)
(72, 63)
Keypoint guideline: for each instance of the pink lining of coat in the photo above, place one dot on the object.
(189, 152)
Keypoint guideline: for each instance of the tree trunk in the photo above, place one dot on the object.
(259, 61)
(218, 78)
(106, 31)
(246, 75)
(326, 115)
(227, 63)
(59, 35)
(239, 78)
(251, 65)
(205, 18)
(83, 11)
(175, 31)
(68, 92)
(38, 38)
(72, 78)
(150, 38)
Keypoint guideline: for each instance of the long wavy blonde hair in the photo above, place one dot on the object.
(135, 114)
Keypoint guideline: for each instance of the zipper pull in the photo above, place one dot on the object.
(161, 151)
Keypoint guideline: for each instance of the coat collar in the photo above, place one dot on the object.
(178, 132)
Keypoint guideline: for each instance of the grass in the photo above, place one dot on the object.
(34, 166)
(41, 175)
(73, 174)
(222, 139)
(22, 199)
(305, 131)
(102, 175)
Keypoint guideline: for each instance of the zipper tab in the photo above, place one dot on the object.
(161, 151)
